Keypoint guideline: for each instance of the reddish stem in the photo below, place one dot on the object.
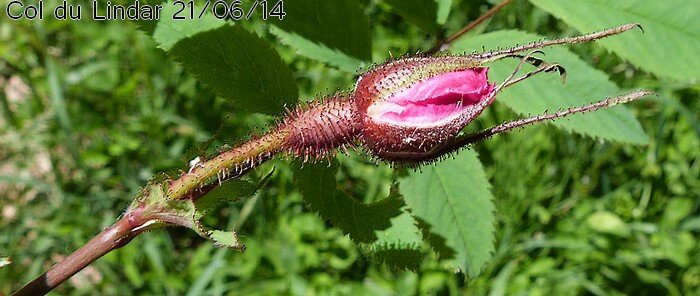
(113, 237)
(443, 45)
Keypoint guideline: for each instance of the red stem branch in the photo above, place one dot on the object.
(443, 45)
(113, 237)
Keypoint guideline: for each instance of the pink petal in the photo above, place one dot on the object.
(434, 101)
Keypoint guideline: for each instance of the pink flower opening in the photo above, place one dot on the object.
(435, 101)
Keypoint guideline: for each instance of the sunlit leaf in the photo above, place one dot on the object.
(227, 239)
(169, 30)
(239, 66)
(669, 46)
(608, 222)
(318, 51)
(454, 206)
(676, 210)
(339, 25)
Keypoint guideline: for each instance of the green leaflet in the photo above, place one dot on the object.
(189, 213)
(454, 205)
(238, 65)
(383, 228)
(607, 222)
(227, 239)
(169, 31)
(317, 185)
(669, 47)
(422, 13)
(398, 246)
(338, 25)
(229, 191)
(546, 91)
(318, 51)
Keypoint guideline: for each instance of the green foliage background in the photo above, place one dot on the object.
(92, 110)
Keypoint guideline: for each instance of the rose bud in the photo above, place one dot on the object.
(411, 109)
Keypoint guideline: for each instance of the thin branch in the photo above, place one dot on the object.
(445, 44)
(114, 237)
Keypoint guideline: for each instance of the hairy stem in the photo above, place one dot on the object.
(308, 131)
(229, 164)
(113, 237)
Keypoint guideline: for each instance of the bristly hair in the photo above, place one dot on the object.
(316, 129)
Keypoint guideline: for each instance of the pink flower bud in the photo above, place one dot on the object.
(412, 108)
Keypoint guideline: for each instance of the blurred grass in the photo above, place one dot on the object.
(90, 111)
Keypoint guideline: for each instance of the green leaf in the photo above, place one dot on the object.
(318, 51)
(546, 91)
(318, 186)
(240, 66)
(338, 25)
(608, 222)
(398, 246)
(675, 211)
(454, 205)
(189, 213)
(231, 190)
(422, 13)
(227, 239)
(169, 31)
(669, 46)
(443, 11)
